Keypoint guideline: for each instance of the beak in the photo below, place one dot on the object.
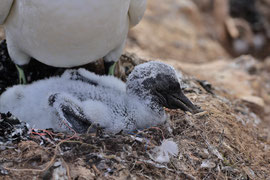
(180, 101)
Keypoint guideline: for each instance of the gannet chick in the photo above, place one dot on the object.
(68, 33)
(79, 99)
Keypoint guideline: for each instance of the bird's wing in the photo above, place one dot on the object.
(5, 6)
(136, 11)
(69, 112)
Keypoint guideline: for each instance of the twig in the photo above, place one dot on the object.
(50, 162)
(67, 168)
(96, 169)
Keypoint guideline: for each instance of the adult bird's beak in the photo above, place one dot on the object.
(178, 100)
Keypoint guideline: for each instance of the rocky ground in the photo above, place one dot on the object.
(207, 41)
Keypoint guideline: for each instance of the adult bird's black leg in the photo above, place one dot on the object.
(69, 112)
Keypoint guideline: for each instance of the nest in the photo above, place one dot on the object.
(214, 144)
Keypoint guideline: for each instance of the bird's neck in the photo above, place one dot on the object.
(149, 101)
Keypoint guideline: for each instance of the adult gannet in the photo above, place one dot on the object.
(68, 33)
(79, 99)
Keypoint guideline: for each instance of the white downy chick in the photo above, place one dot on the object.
(79, 99)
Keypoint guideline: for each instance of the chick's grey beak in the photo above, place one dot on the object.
(180, 101)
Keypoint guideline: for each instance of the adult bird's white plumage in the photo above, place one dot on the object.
(5, 6)
(67, 33)
(80, 98)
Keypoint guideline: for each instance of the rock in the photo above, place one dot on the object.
(172, 30)
(256, 104)
(254, 100)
